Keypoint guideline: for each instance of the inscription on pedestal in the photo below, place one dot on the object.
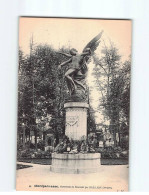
(76, 120)
(72, 120)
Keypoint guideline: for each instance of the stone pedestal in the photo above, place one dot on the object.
(75, 163)
(76, 119)
(76, 128)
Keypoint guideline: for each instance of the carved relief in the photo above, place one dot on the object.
(72, 120)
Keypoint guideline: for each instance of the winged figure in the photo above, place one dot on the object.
(78, 64)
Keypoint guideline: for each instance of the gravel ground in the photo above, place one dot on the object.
(40, 178)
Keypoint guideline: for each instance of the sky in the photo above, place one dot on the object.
(76, 33)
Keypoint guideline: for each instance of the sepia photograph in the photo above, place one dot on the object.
(73, 104)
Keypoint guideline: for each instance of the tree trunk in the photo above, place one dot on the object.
(114, 137)
(29, 136)
(44, 136)
(119, 139)
(35, 139)
(113, 128)
(23, 138)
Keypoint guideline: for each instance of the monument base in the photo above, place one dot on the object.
(76, 119)
(75, 163)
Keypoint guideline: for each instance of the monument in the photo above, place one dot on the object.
(78, 157)
(76, 119)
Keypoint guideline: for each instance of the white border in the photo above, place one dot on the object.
(128, 9)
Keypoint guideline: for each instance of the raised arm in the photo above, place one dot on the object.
(65, 54)
(64, 63)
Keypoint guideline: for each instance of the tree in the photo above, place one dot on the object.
(24, 93)
(42, 90)
(113, 80)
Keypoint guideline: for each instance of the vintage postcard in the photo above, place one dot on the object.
(73, 104)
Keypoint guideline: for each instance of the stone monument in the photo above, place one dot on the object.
(76, 108)
(76, 119)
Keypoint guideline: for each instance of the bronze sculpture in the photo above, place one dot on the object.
(75, 75)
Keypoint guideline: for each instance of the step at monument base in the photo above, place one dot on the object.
(75, 163)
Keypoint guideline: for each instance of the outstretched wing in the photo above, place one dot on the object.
(93, 44)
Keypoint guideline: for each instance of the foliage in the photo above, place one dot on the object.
(113, 81)
(108, 155)
(29, 145)
(125, 143)
(41, 92)
(19, 145)
(26, 153)
(41, 145)
(32, 153)
(113, 153)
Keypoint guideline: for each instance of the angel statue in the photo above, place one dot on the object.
(75, 74)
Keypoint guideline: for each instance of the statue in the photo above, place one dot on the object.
(75, 75)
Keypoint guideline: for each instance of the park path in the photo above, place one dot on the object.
(40, 178)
